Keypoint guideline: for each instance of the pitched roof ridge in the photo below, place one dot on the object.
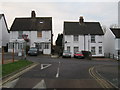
(78, 22)
(30, 17)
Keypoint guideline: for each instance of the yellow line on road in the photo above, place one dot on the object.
(100, 80)
(90, 72)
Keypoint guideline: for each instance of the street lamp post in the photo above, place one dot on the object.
(88, 42)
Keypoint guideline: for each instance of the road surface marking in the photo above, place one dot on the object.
(11, 84)
(43, 66)
(41, 84)
(102, 82)
(92, 74)
(57, 75)
(99, 79)
(58, 70)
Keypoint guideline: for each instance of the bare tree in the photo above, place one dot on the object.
(114, 26)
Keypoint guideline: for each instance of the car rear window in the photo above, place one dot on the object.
(78, 53)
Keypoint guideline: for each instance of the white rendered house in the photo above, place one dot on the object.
(83, 36)
(4, 32)
(37, 29)
(112, 42)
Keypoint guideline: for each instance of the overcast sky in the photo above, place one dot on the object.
(102, 11)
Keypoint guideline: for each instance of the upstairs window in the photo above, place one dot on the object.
(20, 33)
(75, 38)
(92, 38)
(39, 33)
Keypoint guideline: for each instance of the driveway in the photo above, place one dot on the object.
(59, 73)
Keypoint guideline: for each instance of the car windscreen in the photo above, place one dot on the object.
(33, 49)
(66, 52)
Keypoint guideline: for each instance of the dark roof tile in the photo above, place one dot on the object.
(32, 24)
(74, 28)
(116, 32)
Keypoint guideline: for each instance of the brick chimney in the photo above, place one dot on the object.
(81, 20)
(33, 15)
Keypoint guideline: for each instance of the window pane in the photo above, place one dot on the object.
(40, 45)
(93, 50)
(76, 49)
(68, 48)
(100, 50)
(46, 46)
(92, 38)
(20, 33)
(11, 45)
(75, 37)
(39, 33)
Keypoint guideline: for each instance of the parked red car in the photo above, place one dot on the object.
(78, 55)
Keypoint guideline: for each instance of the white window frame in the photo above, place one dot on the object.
(92, 38)
(76, 49)
(100, 49)
(75, 38)
(68, 48)
(20, 33)
(93, 51)
(46, 46)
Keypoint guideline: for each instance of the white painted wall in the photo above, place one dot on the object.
(0, 33)
(4, 37)
(119, 44)
(80, 43)
(109, 42)
(32, 35)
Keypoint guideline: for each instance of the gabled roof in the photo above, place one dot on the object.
(32, 24)
(116, 32)
(75, 28)
(2, 15)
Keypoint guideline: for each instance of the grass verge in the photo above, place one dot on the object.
(12, 67)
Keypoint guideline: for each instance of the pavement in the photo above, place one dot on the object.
(63, 73)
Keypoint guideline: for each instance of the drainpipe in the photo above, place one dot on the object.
(84, 42)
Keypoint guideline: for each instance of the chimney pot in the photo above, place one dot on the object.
(81, 20)
(33, 15)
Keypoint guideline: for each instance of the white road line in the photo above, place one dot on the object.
(57, 75)
(58, 71)
(43, 66)
(41, 84)
(11, 84)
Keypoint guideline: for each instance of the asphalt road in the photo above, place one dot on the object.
(60, 73)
